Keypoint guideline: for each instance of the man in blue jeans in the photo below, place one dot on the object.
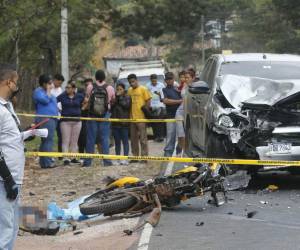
(172, 100)
(95, 128)
(46, 104)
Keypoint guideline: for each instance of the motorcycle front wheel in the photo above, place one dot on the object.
(108, 204)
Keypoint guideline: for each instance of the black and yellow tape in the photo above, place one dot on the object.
(99, 119)
(167, 159)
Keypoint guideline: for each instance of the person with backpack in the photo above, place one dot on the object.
(100, 96)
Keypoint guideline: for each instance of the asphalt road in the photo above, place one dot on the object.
(198, 225)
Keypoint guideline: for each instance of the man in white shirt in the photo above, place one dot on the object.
(157, 106)
(56, 91)
(12, 159)
(57, 82)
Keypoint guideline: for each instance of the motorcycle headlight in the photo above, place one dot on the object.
(225, 121)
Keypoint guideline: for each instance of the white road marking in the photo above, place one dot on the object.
(147, 231)
(169, 168)
(145, 237)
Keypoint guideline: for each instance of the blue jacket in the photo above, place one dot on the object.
(70, 106)
(44, 104)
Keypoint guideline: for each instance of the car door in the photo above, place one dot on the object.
(204, 101)
(196, 103)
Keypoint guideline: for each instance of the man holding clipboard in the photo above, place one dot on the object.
(12, 158)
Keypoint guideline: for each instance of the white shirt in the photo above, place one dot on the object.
(183, 93)
(56, 92)
(155, 100)
(11, 141)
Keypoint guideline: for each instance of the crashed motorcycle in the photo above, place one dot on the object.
(132, 196)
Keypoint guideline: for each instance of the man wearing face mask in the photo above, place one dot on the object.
(12, 159)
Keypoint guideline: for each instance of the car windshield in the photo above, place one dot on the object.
(268, 69)
(143, 80)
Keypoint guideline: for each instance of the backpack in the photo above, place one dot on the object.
(98, 102)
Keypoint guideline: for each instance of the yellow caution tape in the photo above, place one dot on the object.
(166, 159)
(99, 119)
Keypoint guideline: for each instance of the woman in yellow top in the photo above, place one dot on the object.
(140, 96)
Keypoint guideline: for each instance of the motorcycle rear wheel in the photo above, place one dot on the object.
(112, 204)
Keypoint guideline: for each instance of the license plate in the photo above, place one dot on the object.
(280, 148)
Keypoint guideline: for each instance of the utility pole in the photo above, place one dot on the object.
(202, 39)
(17, 53)
(15, 37)
(64, 42)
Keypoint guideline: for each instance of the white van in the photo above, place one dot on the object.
(142, 70)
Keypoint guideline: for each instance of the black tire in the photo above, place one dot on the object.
(108, 206)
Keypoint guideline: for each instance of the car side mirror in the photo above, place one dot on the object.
(199, 87)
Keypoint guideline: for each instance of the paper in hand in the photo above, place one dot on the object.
(43, 132)
(26, 134)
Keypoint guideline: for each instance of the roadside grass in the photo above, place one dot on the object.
(33, 146)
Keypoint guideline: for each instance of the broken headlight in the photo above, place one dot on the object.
(226, 121)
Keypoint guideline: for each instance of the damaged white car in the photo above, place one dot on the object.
(245, 106)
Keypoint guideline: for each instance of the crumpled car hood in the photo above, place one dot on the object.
(240, 89)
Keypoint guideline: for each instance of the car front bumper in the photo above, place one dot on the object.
(265, 154)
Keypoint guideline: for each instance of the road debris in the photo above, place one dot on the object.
(272, 188)
(77, 232)
(237, 181)
(251, 214)
(128, 232)
(199, 224)
(263, 202)
(71, 193)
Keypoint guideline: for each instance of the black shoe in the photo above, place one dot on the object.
(133, 161)
(75, 162)
(67, 162)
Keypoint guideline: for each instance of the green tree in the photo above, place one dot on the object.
(30, 35)
(30, 30)
(180, 21)
(267, 26)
